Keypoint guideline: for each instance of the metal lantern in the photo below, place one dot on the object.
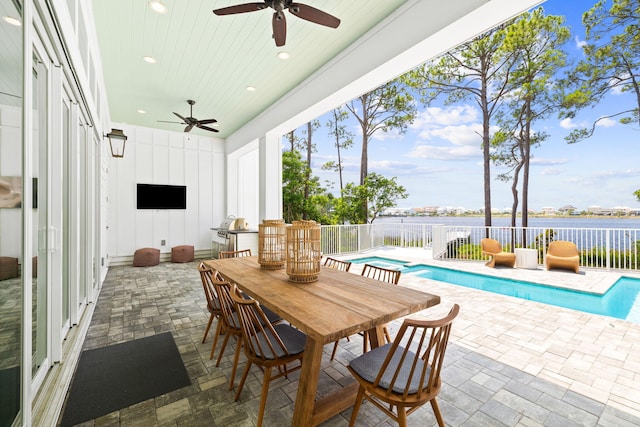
(117, 141)
(272, 243)
(303, 251)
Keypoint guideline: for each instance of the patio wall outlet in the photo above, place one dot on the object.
(163, 242)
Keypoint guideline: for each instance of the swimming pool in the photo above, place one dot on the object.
(621, 301)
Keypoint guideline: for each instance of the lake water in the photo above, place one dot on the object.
(550, 222)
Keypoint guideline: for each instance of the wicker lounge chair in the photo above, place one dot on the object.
(493, 248)
(564, 255)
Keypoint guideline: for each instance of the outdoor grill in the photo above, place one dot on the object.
(222, 239)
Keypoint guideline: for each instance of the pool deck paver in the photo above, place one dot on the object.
(596, 358)
(509, 362)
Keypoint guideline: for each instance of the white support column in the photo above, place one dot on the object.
(270, 204)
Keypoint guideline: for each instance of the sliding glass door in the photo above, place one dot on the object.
(11, 209)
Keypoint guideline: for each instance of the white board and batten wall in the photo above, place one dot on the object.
(154, 156)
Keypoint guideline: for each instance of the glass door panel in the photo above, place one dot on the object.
(39, 214)
(11, 210)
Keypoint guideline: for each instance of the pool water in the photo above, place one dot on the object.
(621, 301)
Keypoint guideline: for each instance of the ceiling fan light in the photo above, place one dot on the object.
(157, 6)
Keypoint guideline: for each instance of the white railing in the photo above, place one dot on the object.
(607, 248)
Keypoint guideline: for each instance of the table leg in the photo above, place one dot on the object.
(308, 384)
(376, 336)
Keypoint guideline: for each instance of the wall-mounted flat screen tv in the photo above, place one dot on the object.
(154, 196)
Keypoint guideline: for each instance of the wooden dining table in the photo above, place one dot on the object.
(337, 305)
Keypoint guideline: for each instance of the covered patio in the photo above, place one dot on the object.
(510, 362)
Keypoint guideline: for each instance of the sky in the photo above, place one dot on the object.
(439, 159)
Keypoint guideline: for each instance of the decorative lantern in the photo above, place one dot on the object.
(117, 141)
(303, 251)
(272, 244)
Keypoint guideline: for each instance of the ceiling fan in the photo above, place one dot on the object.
(279, 22)
(192, 121)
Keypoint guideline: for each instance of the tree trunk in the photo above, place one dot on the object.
(308, 172)
(486, 145)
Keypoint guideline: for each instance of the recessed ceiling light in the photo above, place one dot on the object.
(11, 20)
(142, 112)
(251, 88)
(283, 55)
(150, 59)
(157, 6)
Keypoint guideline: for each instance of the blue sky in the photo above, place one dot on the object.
(439, 160)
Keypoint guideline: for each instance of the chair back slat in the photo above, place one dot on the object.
(223, 291)
(414, 361)
(259, 336)
(206, 276)
(234, 254)
(382, 274)
(337, 264)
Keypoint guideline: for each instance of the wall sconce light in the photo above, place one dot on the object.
(117, 140)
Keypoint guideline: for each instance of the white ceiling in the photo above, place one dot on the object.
(212, 59)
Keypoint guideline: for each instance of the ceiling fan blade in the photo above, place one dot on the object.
(240, 8)
(314, 15)
(188, 128)
(205, 122)
(181, 118)
(167, 121)
(208, 128)
(279, 24)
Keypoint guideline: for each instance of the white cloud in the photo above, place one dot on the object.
(606, 123)
(458, 152)
(550, 171)
(580, 44)
(456, 135)
(568, 123)
(538, 161)
(435, 117)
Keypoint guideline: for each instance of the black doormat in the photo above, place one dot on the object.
(120, 375)
(9, 395)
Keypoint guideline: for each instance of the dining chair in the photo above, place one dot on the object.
(235, 254)
(213, 305)
(337, 264)
(266, 346)
(383, 275)
(404, 374)
(230, 325)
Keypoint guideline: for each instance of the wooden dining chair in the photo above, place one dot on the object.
(337, 264)
(235, 254)
(383, 275)
(400, 377)
(266, 345)
(230, 325)
(213, 305)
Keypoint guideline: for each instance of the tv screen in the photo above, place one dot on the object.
(153, 196)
